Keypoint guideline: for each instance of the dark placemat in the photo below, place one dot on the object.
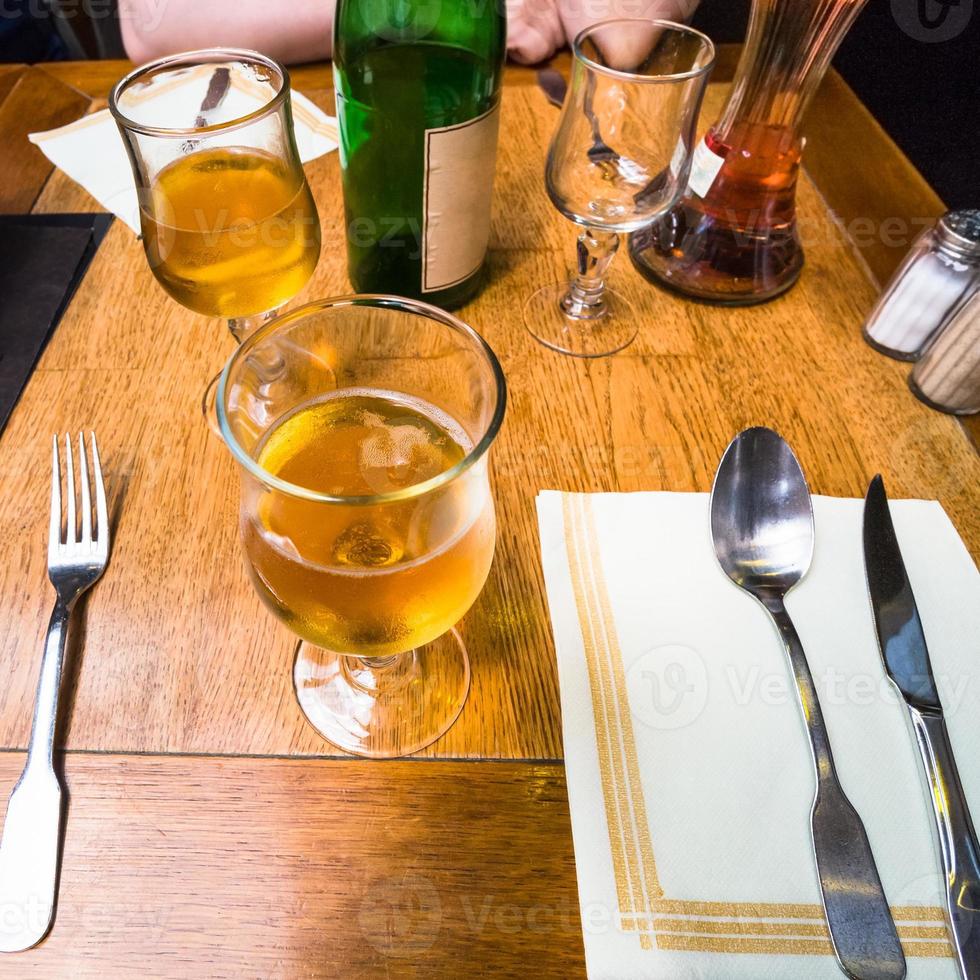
(43, 258)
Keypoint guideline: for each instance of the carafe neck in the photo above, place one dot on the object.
(787, 49)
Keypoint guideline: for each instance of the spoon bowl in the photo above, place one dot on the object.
(761, 516)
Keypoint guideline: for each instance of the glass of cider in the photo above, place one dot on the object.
(366, 514)
(228, 221)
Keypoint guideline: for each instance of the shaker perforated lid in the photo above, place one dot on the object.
(959, 231)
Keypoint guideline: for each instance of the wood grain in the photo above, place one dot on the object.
(9, 75)
(176, 653)
(31, 102)
(195, 865)
(179, 867)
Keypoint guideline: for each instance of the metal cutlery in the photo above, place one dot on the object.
(218, 86)
(32, 827)
(554, 86)
(762, 527)
(215, 95)
(600, 153)
(906, 658)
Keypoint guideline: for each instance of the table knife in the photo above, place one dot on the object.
(554, 86)
(215, 95)
(906, 658)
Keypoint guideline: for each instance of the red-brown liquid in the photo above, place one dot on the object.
(738, 243)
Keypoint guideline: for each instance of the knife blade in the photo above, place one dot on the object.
(902, 642)
(554, 86)
(215, 95)
(900, 634)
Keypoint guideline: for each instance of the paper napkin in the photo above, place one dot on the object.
(91, 151)
(688, 766)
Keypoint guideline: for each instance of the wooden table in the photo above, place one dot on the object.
(211, 832)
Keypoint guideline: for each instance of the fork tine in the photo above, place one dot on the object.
(101, 511)
(54, 528)
(86, 492)
(71, 529)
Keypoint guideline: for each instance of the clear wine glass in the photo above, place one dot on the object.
(619, 159)
(366, 513)
(228, 222)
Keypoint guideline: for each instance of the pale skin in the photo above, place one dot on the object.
(301, 31)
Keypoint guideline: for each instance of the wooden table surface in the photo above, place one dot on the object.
(211, 832)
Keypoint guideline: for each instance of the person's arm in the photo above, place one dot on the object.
(536, 29)
(295, 32)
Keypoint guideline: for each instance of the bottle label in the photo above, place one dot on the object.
(458, 182)
(705, 165)
(679, 158)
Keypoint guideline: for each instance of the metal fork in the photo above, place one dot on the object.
(31, 831)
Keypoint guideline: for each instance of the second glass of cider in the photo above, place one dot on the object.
(366, 517)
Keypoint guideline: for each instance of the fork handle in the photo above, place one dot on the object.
(40, 750)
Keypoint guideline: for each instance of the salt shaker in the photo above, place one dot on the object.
(947, 376)
(942, 266)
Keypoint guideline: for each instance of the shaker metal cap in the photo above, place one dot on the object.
(959, 231)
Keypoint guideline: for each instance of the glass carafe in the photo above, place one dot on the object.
(733, 238)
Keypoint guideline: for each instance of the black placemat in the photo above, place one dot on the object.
(43, 258)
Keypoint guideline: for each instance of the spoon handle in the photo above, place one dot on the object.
(862, 930)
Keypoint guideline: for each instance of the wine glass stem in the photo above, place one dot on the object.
(585, 299)
(244, 326)
(376, 674)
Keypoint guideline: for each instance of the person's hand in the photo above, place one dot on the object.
(536, 29)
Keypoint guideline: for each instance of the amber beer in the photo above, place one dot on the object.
(231, 232)
(374, 578)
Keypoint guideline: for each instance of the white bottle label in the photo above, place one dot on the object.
(679, 157)
(456, 193)
(705, 165)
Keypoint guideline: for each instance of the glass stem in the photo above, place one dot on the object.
(244, 326)
(585, 299)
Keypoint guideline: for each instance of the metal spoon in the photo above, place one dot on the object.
(762, 527)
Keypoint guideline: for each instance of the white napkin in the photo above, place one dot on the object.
(91, 151)
(689, 775)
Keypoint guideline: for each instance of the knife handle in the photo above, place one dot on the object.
(957, 838)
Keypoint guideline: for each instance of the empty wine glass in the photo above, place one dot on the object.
(619, 159)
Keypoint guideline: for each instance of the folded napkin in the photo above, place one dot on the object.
(91, 151)
(688, 766)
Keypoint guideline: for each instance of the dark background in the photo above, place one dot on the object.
(925, 92)
(920, 80)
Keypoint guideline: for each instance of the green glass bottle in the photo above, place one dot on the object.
(418, 105)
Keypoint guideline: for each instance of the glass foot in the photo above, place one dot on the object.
(608, 329)
(383, 707)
